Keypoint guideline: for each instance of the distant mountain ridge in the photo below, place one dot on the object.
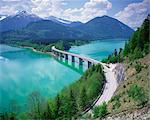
(106, 27)
(64, 22)
(23, 18)
(26, 26)
(17, 21)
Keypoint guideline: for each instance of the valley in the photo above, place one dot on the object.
(88, 61)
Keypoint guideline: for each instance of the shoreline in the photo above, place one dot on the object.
(38, 51)
(109, 87)
(30, 48)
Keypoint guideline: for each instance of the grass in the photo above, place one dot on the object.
(134, 91)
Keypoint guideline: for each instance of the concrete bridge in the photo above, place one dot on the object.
(60, 53)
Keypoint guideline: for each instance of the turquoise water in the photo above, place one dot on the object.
(99, 49)
(23, 71)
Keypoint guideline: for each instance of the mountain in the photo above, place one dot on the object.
(50, 30)
(106, 27)
(18, 21)
(2, 17)
(64, 22)
(44, 31)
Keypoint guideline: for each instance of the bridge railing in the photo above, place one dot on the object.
(76, 55)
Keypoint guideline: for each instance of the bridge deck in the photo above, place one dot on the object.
(78, 56)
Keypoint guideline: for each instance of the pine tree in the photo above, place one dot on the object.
(115, 52)
(138, 45)
(73, 105)
(58, 107)
(83, 99)
(126, 50)
(120, 51)
(48, 113)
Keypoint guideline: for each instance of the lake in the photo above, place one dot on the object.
(23, 71)
(99, 49)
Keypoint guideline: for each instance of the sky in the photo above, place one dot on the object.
(130, 12)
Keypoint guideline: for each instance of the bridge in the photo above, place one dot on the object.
(60, 53)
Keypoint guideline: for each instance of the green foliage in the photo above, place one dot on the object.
(116, 102)
(72, 104)
(126, 50)
(63, 45)
(135, 48)
(83, 99)
(105, 60)
(58, 104)
(74, 99)
(137, 93)
(12, 116)
(146, 48)
(138, 45)
(114, 58)
(138, 67)
(35, 105)
(47, 114)
(46, 47)
(137, 53)
(8, 116)
(96, 112)
(100, 111)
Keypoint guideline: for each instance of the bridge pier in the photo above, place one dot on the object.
(89, 64)
(54, 52)
(60, 56)
(57, 54)
(80, 61)
(66, 56)
(73, 59)
(63, 54)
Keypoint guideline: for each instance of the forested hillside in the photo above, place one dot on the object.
(137, 46)
(133, 92)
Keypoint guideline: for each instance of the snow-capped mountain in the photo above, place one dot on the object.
(55, 19)
(2, 17)
(26, 14)
(63, 22)
(47, 30)
(18, 21)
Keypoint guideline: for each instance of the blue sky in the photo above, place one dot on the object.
(119, 5)
(130, 12)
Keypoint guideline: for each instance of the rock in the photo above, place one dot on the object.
(140, 114)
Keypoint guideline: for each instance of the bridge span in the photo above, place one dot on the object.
(82, 59)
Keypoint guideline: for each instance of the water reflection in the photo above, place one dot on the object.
(72, 65)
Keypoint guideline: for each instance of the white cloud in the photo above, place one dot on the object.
(7, 10)
(89, 10)
(134, 14)
(45, 8)
(11, 0)
(10, 7)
